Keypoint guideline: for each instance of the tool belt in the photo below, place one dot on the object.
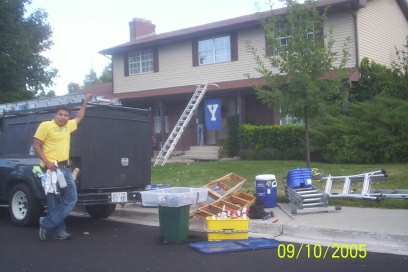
(63, 164)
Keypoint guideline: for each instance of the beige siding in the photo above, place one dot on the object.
(176, 68)
(343, 28)
(175, 62)
(382, 26)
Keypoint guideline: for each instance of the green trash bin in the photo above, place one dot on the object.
(174, 223)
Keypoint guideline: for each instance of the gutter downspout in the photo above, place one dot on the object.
(356, 48)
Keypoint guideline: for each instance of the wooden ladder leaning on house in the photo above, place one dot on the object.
(182, 123)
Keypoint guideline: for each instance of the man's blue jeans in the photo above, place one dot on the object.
(200, 134)
(60, 205)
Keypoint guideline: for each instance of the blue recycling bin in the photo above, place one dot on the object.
(266, 190)
(299, 178)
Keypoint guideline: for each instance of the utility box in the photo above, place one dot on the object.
(112, 148)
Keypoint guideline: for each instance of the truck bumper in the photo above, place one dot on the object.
(104, 198)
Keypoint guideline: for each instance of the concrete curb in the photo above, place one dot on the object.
(315, 229)
(346, 236)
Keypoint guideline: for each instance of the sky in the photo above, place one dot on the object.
(81, 28)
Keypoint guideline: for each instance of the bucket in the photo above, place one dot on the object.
(174, 223)
(266, 190)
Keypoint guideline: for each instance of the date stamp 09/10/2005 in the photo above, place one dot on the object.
(339, 251)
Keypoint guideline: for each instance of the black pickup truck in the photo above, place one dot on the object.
(112, 147)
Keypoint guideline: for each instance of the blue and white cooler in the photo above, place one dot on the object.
(267, 190)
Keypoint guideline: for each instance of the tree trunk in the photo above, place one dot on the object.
(307, 144)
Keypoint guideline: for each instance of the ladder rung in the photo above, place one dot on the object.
(306, 192)
(311, 199)
(312, 195)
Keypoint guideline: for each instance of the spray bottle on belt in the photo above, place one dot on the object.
(60, 177)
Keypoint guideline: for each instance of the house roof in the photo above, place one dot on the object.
(224, 25)
(404, 7)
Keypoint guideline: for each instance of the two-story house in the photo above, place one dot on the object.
(161, 71)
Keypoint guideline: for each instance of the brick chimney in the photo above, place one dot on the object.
(141, 27)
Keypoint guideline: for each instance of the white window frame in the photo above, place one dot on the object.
(141, 62)
(157, 119)
(214, 50)
(288, 120)
(283, 40)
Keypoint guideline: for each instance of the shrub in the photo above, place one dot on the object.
(230, 147)
(269, 154)
(223, 150)
(374, 131)
(278, 137)
(294, 153)
(247, 154)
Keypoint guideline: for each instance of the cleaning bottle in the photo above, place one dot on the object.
(60, 177)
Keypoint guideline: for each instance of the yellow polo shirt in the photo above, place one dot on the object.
(56, 139)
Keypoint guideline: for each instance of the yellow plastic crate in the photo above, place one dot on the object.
(219, 236)
(227, 229)
(227, 224)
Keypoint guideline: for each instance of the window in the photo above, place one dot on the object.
(157, 120)
(214, 50)
(141, 62)
(285, 40)
(221, 48)
(289, 120)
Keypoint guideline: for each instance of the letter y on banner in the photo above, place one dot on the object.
(213, 114)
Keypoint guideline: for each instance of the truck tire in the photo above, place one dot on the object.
(24, 208)
(100, 211)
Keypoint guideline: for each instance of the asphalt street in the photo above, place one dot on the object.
(105, 245)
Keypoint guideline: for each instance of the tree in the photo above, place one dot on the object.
(400, 67)
(43, 94)
(73, 87)
(91, 79)
(23, 70)
(377, 79)
(106, 75)
(306, 80)
(373, 131)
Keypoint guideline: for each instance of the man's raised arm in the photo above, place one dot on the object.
(81, 112)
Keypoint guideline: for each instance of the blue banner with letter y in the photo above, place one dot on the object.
(213, 114)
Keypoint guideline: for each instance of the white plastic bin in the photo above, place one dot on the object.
(174, 197)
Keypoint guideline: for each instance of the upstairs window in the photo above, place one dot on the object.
(285, 39)
(220, 48)
(141, 61)
(214, 50)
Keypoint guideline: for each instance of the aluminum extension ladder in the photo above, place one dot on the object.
(308, 199)
(365, 193)
(35, 105)
(182, 123)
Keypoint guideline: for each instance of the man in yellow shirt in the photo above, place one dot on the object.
(51, 143)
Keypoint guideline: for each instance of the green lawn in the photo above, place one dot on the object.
(198, 174)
